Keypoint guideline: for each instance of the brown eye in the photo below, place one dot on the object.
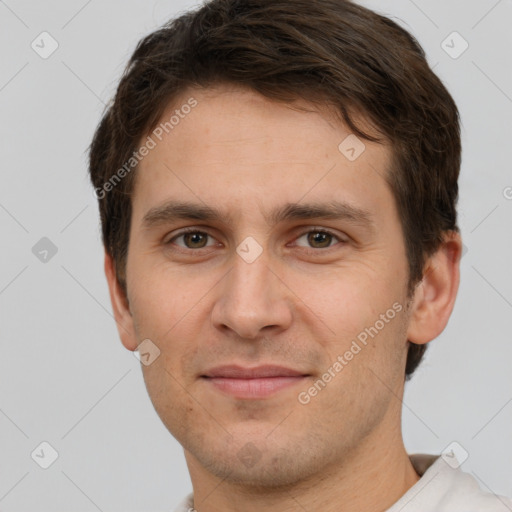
(195, 240)
(192, 240)
(317, 239)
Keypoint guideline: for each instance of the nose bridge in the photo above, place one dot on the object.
(251, 298)
(250, 280)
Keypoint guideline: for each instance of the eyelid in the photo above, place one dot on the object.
(301, 233)
(189, 229)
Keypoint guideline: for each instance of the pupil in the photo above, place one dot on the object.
(321, 239)
(195, 239)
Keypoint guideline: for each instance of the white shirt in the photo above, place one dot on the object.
(443, 487)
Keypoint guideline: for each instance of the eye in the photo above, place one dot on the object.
(192, 239)
(317, 239)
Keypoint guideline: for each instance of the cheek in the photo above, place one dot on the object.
(171, 323)
(366, 362)
(367, 325)
(346, 302)
(175, 406)
(160, 297)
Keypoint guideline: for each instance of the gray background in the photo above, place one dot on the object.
(66, 379)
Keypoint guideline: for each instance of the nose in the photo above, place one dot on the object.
(252, 300)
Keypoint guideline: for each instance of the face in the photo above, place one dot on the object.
(261, 245)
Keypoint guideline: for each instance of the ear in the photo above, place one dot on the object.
(434, 297)
(120, 306)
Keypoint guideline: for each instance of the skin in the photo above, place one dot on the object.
(300, 305)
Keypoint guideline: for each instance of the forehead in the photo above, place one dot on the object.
(226, 112)
(235, 145)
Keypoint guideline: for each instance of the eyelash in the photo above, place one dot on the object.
(186, 231)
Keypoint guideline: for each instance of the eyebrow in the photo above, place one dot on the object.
(335, 210)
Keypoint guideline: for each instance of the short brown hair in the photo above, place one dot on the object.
(330, 52)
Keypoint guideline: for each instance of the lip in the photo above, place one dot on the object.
(252, 383)
(258, 372)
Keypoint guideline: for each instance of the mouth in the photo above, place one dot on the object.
(253, 383)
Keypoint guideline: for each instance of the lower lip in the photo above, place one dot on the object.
(253, 388)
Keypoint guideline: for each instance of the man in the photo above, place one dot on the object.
(277, 183)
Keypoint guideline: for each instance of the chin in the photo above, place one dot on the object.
(260, 463)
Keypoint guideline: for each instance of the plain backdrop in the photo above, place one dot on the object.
(65, 378)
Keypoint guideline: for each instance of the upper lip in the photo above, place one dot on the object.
(258, 372)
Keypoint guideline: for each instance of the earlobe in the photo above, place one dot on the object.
(120, 306)
(434, 297)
